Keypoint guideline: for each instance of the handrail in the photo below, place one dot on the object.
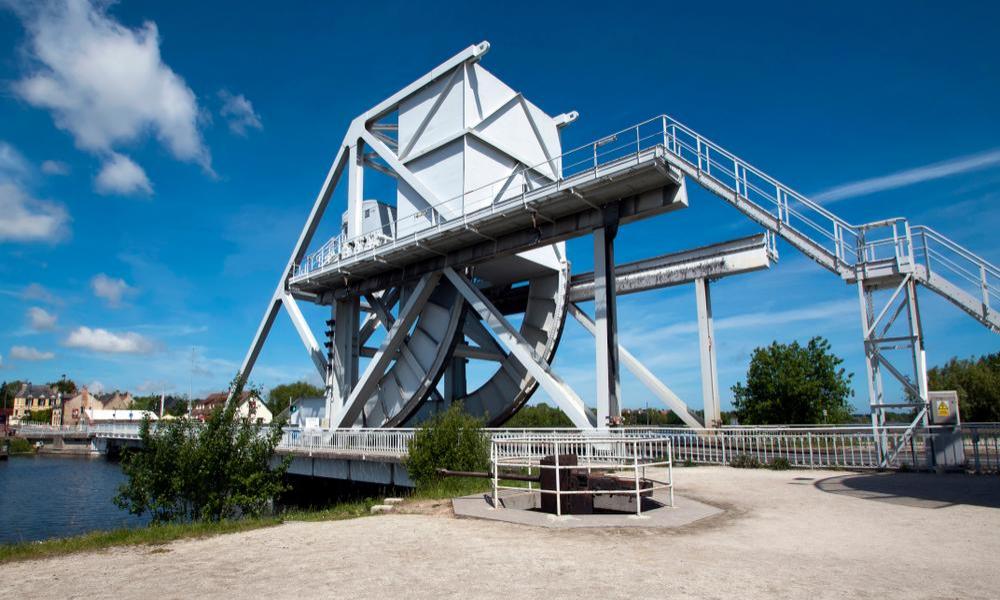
(842, 246)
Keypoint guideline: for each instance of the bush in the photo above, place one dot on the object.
(43, 416)
(450, 440)
(187, 471)
(20, 446)
(779, 464)
(744, 461)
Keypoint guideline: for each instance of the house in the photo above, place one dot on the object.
(249, 405)
(115, 400)
(31, 398)
(70, 411)
(126, 416)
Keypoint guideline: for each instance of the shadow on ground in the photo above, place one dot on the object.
(922, 490)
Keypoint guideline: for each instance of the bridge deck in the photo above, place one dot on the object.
(558, 211)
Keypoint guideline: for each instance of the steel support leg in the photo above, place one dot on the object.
(346, 349)
(706, 341)
(455, 380)
(606, 326)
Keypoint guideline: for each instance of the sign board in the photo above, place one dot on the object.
(944, 408)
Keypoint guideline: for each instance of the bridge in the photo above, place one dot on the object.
(485, 198)
(377, 455)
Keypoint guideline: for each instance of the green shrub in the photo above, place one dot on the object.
(43, 416)
(450, 440)
(744, 461)
(780, 464)
(20, 446)
(187, 471)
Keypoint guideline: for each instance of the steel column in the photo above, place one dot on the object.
(346, 350)
(706, 341)
(606, 324)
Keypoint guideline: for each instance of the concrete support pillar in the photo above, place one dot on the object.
(706, 341)
(346, 314)
(606, 325)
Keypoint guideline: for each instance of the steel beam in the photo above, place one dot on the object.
(644, 375)
(706, 342)
(305, 334)
(558, 390)
(305, 237)
(733, 257)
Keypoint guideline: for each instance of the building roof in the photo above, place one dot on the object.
(30, 390)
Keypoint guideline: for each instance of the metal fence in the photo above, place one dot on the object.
(835, 447)
(601, 452)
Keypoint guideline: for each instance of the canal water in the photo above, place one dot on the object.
(44, 497)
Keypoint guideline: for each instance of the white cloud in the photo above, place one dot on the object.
(104, 83)
(37, 291)
(110, 289)
(102, 340)
(55, 167)
(939, 170)
(239, 113)
(26, 219)
(120, 175)
(40, 319)
(95, 387)
(13, 165)
(29, 353)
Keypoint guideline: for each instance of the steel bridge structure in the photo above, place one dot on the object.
(485, 198)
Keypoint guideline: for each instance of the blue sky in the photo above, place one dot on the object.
(157, 161)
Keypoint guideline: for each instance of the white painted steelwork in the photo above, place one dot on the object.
(485, 195)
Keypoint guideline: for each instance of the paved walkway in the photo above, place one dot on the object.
(782, 536)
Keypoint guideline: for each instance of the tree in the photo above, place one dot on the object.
(540, 415)
(977, 382)
(7, 392)
(188, 471)
(281, 396)
(789, 383)
(64, 386)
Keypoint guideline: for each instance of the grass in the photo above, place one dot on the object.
(154, 535)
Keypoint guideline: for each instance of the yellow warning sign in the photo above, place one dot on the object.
(942, 408)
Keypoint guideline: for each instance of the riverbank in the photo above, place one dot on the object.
(155, 535)
(784, 534)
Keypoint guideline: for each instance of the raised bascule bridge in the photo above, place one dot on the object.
(471, 240)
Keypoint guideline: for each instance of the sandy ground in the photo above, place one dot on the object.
(792, 534)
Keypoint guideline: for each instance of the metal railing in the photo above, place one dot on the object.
(836, 447)
(593, 452)
(818, 232)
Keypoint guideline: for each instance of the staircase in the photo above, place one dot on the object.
(879, 253)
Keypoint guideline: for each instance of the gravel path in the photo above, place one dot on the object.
(780, 537)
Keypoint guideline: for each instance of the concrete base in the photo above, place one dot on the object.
(519, 504)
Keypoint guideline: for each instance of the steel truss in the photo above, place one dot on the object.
(634, 174)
